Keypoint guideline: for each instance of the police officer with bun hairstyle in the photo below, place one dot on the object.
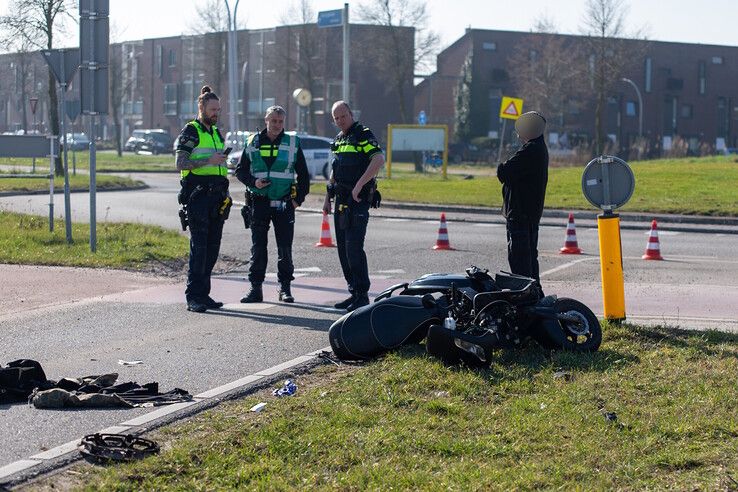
(274, 170)
(524, 177)
(200, 158)
(353, 186)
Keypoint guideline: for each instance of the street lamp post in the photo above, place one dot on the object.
(640, 105)
(232, 60)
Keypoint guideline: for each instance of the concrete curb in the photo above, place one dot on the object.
(60, 191)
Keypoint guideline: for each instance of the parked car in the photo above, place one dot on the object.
(159, 141)
(78, 141)
(318, 155)
(237, 141)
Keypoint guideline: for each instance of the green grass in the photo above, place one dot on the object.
(106, 161)
(704, 186)
(80, 182)
(25, 239)
(406, 422)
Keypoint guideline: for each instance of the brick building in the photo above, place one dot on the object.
(158, 80)
(689, 91)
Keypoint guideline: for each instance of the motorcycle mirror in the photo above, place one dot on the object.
(428, 301)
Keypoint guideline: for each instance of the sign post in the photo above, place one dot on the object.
(94, 45)
(64, 64)
(34, 103)
(510, 109)
(334, 18)
(608, 183)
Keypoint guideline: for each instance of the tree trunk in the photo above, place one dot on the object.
(54, 120)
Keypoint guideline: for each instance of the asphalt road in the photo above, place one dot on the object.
(695, 287)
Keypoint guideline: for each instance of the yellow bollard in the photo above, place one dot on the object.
(611, 266)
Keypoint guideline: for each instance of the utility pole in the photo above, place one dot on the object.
(346, 43)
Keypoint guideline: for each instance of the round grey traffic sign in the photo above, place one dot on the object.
(608, 182)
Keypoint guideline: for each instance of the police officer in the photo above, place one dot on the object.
(353, 184)
(204, 196)
(524, 177)
(274, 170)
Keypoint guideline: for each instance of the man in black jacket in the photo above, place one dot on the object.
(524, 177)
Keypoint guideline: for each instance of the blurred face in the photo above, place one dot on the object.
(210, 112)
(342, 117)
(274, 124)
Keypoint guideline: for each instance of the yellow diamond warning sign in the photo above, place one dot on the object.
(511, 108)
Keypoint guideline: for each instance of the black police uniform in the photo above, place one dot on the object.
(205, 196)
(524, 177)
(263, 212)
(354, 151)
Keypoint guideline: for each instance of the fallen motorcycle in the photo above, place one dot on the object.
(465, 318)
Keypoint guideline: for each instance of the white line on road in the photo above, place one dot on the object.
(313, 269)
(566, 265)
(485, 224)
(397, 271)
(396, 220)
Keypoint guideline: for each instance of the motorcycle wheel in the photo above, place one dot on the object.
(563, 335)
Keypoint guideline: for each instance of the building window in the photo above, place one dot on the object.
(158, 55)
(723, 116)
(686, 111)
(630, 108)
(674, 84)
(489, 46)
(703, 78)
(172, 58)
(648, 71)
(170, 99)
(188, 104)
(717, 60)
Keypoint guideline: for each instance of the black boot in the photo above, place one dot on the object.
(212, 304)
(360, 300)
(254, 295)
(345, 303)
(285, 295)
(196, 306)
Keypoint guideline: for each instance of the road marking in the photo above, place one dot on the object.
(397, 271)
(485, 224)
(313, 269)
(434, 222)
(663, 233)
(396, 220)
(273, 275)
(566, 265)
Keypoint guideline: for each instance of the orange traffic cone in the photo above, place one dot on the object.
(653, 250)
(570, 244)
(442, 241)
(325, 234)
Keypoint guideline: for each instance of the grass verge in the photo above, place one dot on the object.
(80, 182)
(533, 420)
(685, 186)
(25, 239)
(106, 161)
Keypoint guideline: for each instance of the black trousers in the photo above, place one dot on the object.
(522, 248)
(262, 215)
(350, 229)
(206, 230)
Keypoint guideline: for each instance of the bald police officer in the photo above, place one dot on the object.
(358, 160)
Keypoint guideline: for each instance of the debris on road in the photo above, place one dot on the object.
(130, 362)
(258, 407)
(103, 448)
(288, 389)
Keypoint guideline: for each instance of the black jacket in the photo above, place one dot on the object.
(243, 169)
(524, 177)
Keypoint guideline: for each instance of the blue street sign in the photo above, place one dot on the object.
(330, 18)
(421, 118)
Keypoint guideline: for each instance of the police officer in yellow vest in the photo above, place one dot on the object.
(204, 197)
(274, 170)
(358, 160)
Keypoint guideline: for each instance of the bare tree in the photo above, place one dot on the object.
(37, 22)
(391, 57)
(299, 61)
(546, 69)
(609, 54)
